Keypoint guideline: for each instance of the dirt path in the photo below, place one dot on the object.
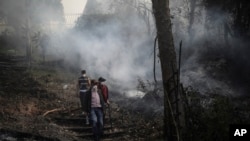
(74, 122)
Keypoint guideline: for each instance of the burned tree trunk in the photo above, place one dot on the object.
(168, 65)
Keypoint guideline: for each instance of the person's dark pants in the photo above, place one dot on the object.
(83, 100)
(96, 117)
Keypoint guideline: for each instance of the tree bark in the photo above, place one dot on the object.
(167, 56)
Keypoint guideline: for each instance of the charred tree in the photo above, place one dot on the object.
(167, 56)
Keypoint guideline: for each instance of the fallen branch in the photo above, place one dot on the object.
(52, 111)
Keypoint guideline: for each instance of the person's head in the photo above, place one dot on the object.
(101, 79)
(83, 71)
(92, 82)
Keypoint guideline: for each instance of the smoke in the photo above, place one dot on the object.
(210, 62)
(18, 12)
(110, 57)
(110, 42)
(114, 39)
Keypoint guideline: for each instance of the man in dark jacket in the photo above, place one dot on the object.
(95, 108)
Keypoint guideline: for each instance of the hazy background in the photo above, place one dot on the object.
(115, 39)
(112, 40)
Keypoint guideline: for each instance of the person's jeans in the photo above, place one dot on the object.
(96, 117)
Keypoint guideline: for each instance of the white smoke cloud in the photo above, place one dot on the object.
(123, 50)
(120, 49)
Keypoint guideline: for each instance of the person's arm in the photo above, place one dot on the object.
(89, 82)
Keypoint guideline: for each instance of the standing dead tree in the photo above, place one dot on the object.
(168, 59)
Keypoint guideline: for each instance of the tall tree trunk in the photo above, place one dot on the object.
(168, 63)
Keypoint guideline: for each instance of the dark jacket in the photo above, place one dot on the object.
(88, 99)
